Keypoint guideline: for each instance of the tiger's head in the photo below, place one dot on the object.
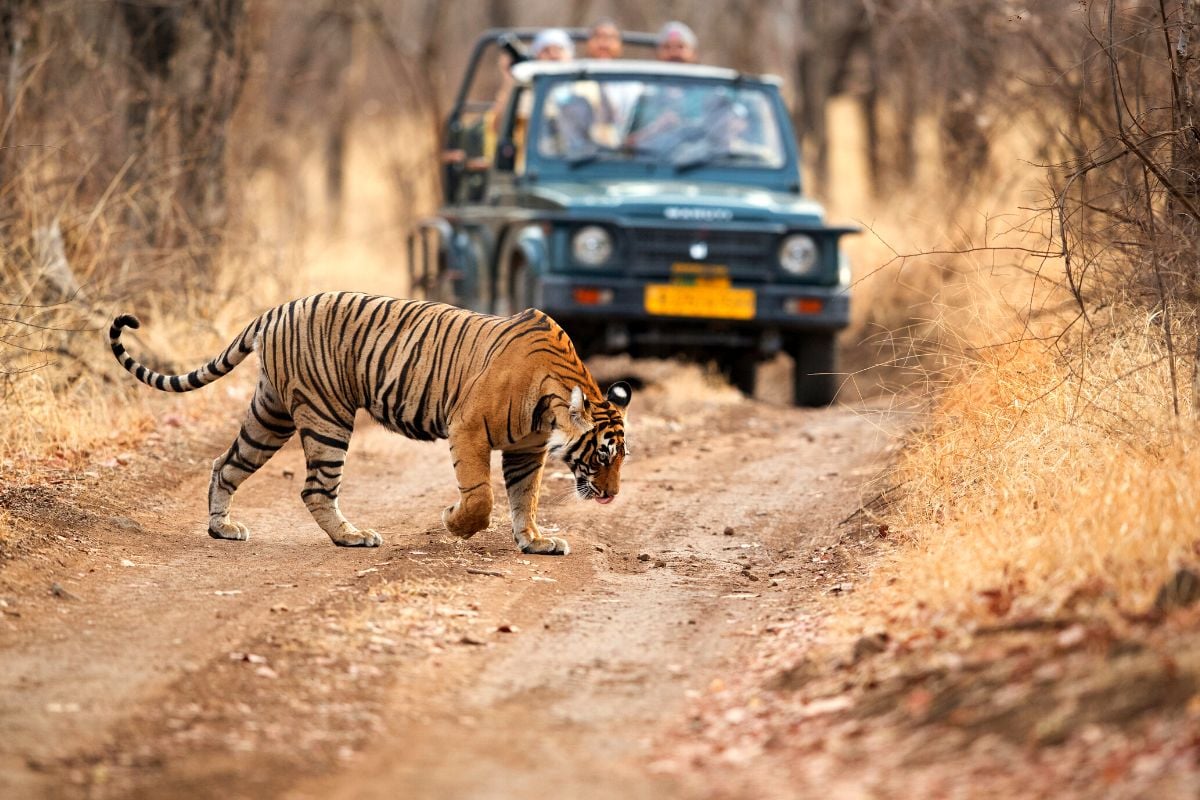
(591, 440)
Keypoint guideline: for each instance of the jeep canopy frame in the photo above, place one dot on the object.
(493, 36)
(491, 39)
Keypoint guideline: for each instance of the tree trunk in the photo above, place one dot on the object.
(1185, 155)
(812, 84)
(16, 25)
(1186, 67)
(338, 84)
(205, 115)
(869, 102)
(153, 41)
(187, 63)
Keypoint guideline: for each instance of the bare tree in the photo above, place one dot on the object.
(188, 64)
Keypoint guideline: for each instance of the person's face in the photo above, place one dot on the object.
(605, 42)
(553, 52)
(676, 49)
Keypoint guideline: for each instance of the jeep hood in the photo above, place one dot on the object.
(679, 201)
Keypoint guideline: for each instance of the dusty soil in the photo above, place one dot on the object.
(140, 658)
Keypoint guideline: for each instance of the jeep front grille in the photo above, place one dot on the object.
(747, 254)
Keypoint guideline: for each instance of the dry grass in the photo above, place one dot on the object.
(76, 408)
(1052, 471)
(1043, 486)
(82, 409)
(939, 266)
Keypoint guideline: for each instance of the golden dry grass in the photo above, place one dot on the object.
(941, 265)
(1050, 472)
(1043, 481)
(83, 408)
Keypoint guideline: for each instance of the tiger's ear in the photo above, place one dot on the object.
(580, 409)
(619, 394)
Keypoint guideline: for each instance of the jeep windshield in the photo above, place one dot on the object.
(673, 124)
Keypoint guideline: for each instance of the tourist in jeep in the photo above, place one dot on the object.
(676, 42)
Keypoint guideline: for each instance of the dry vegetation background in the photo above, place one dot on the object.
(1028, 174)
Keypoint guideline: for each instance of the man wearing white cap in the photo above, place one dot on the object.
(676, 42)
(552, 44)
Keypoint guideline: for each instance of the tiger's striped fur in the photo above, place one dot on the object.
(428, 371)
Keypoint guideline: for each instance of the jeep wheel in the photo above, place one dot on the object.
(441, 288)
(741, 370)
(816, 361)
(520, 295)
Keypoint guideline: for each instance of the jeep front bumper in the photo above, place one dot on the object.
(616, 309)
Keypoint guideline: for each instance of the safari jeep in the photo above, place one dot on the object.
(650, 208)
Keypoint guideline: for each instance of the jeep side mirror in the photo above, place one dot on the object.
(506, 155)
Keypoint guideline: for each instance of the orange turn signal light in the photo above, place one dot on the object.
(803, 305)
(588, 296)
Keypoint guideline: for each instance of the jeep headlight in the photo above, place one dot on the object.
(591, 246)
(798, 254)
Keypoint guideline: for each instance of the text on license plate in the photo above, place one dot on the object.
(722, 302)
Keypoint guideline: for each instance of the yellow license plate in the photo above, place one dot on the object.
(700, 301)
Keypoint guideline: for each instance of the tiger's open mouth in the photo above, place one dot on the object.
(589, 492)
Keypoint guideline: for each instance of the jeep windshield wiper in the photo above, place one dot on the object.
(702, 159)
(589, 155)
(693, 163)
(712, 156)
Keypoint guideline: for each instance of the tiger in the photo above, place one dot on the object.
(423, 369)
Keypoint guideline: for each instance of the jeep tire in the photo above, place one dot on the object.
(520, 289)
(814, 378)
(741, 370)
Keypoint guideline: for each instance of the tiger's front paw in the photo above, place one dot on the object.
(228, 529)
(547, 546)
(356, 538)
(464, 526)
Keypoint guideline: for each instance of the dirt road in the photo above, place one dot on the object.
(139, 658)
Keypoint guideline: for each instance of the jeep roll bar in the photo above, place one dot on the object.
(492, 36)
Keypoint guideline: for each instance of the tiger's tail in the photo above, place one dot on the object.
(218, 367)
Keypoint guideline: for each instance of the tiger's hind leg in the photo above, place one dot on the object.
(523, 479)
(325, 447)
(267, 428)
